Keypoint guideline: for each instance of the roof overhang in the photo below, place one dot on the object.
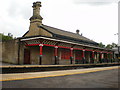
(53, 39)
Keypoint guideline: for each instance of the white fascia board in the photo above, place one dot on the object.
(59, 41)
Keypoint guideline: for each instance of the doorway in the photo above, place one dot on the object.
(26, 56)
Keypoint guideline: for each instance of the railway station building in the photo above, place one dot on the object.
(46, 45)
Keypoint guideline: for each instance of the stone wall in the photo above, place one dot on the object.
(34, 55)
(0, 51)
(10, 51)
(47, 58)
(22, 47)
(48, 55)
(34, 30)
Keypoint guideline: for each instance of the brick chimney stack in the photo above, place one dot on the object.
(36, 13)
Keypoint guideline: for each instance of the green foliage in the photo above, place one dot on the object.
(101, 45)
(6, 37)
(114, 45)
(108, 46)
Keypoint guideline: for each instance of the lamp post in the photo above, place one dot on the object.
(118, 32)
(118, 44)
(118, 53)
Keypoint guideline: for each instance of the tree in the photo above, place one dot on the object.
(6, 37)
(101, 45)
(114, 45)
(109, 46)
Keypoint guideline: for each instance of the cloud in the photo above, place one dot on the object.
(15, 17)
(19, 9)
(95, 2)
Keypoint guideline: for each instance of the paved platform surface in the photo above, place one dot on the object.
(20, 76)
(6, 65)
(105, 77)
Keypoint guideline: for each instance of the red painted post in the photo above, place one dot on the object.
(93, 54)
(107, 57)
(40, 60)
(100, 57)
(56, 54)
(56, 51)
(83, 56)
(41, 50)
(92, 57)
(71, 52)
(111, 57)
(71, 55)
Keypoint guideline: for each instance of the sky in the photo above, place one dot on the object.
(96, 19)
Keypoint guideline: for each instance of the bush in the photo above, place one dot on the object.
(5, 38)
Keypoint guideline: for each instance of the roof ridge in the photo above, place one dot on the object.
(60, 29)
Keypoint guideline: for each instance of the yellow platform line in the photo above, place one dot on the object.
(26, 66)
(54, 74)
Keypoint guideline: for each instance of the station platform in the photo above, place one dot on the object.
(41, 68)
(20, 66)
(33, 75)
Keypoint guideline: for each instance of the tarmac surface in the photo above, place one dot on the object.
(105, 77)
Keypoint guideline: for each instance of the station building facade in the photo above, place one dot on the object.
(46, 45)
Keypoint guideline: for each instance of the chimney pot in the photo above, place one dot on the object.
(36, 12)
(77, 31)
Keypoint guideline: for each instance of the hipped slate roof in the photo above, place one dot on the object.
(61, 34)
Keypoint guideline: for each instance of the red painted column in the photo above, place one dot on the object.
(93, 54)
(107, 57)
(71, 52)
(41, 50)
(83, 56)
(83, 53)
(111, 57)
(56, 51)
(71, 55)
(40, 60)
(104, 57)
(56, 54)
(93, 57)
(100, 57)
